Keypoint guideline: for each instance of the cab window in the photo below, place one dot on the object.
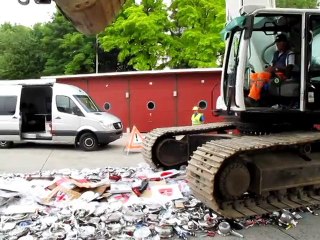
(87, 103)
(314, 48)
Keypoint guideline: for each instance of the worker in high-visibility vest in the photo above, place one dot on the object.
(197, 118)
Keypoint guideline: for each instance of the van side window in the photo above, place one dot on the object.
(66, 105)
(8, 105)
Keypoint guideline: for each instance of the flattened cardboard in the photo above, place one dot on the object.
(73, 190)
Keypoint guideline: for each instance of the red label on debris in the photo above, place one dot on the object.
(166, 191)
(165, 174)
(123, 197)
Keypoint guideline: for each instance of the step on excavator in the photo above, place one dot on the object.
(265, 156)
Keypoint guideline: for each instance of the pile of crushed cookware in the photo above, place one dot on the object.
(113, 203)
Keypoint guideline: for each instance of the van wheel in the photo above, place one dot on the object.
(6, 144)
(88, 142)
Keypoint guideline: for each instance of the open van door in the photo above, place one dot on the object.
(10, 119)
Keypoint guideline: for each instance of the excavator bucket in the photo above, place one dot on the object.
(90, 16)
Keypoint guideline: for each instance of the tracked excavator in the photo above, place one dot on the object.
(265, 157)
(271, 159)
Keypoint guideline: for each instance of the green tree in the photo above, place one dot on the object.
(20, 54)
(196, 41)
(140, 34)
(149, 38)
(81, 50)
(297, 3)
(67, 50)
(53, 48)
(108, 61)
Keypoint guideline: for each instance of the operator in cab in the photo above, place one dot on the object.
(281, 66)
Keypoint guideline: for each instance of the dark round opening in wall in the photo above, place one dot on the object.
(151, 105)
(203, 104)
(107, 106)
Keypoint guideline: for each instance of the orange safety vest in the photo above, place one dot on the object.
(258, 80)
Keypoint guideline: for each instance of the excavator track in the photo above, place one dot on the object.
(153, 138)
(208, 160)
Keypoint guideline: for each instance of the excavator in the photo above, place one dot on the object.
(271, 159)
(262, 158)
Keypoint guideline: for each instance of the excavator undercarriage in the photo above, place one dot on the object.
(239, 175)
(172, 147)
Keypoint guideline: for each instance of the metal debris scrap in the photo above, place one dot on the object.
(114, 203)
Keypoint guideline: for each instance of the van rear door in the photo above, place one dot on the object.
(10, 119)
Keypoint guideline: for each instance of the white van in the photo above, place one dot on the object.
(43, 111)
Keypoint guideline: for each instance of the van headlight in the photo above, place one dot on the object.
(108, 126)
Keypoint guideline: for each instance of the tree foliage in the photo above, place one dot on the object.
(195, 33)
(140, 33)
(151, 38)
(53, 48)
(297, 3)
(21, 56)
(148, 35)
(68, 51)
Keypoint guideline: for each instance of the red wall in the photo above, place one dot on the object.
(79, 82)
(157, 90)
(173, 94)
(194, 88)
(111, 90)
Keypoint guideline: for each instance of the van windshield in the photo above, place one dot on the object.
(87, 103)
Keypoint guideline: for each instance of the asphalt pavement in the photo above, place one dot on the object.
(28, 158)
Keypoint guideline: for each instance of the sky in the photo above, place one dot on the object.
(15, 13)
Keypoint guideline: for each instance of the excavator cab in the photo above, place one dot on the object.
(293, 102)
